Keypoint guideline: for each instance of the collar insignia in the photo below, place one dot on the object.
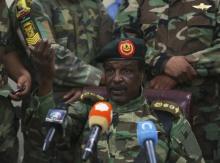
(202, 6)
(126, 48)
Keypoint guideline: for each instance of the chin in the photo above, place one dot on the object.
(119, 100)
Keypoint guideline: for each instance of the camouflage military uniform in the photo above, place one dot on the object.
(77, 30)
(8, 122)
(120, 144)
(187, 28)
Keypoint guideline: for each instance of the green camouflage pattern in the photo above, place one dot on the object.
(3, 31)
(8, 121)
(66, 149)
(119, 145)
(77, 31)
(189, 28)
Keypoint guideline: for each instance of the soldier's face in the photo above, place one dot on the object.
(123, 80)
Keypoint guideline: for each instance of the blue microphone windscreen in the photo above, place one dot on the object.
(56, 116)
(146, 130)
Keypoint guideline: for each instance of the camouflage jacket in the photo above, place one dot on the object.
(120, 143)
(77, 31)
(4, 26)
(8, 122)
(177, 27)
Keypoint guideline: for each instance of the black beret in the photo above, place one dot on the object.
(123, 48)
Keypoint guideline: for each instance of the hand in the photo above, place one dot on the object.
(163, 82)
(43, 57)
(72, 95)
(180, 67)
(23, 87)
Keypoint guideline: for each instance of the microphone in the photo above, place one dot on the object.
(55, 120)
(100, 118)
(147, 139)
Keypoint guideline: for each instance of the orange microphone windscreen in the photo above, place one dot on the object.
(101, 115)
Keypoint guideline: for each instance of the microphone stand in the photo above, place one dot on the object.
(151, 158)
(91, 143)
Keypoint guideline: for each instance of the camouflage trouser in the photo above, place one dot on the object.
(8, 132)
(206, 119)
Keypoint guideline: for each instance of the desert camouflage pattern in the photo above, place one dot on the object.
(119, 145)
(189, 28)
(8, 122)
(77, 31)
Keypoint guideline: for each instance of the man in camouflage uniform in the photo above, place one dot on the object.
(124, 70)
(77, 30)
(9, 65)
(183, 46)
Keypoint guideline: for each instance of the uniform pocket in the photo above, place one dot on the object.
(201, 26)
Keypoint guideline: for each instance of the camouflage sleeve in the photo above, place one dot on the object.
(183, 144)
(162, 147)
(177, 142)
(150, 17)
(40, 106)
(207, 61)
(105, 27)
(171, 147)
(4, 24)
(127, 19)
(75, 71)
(77, 119)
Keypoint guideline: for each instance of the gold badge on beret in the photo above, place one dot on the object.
(126, 48)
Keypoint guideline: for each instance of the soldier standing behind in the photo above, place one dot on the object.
(183, 45)
(76, 30)
(186, 36)
(9, 65)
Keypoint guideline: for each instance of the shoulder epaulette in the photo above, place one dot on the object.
(92, 97)
(166, 106)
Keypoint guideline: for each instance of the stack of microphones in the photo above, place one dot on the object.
(100, 119)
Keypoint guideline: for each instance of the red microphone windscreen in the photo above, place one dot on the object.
(101, 114)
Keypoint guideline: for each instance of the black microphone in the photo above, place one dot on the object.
(100, 118)
(147, 139)
(55, 120)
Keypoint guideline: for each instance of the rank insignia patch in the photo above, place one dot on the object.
(202, 6)
(31, 34)
(126, 48)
